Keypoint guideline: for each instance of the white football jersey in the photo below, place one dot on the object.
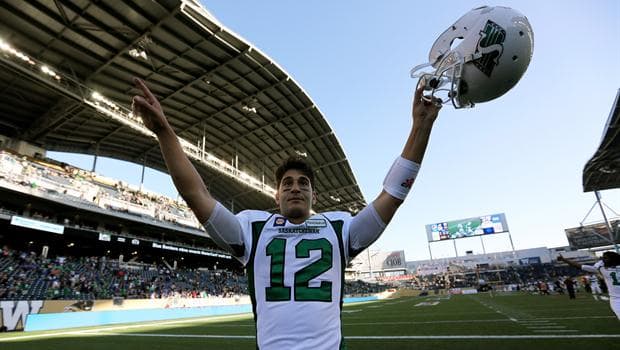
(611, 276)
(593, 281)
(296, 278)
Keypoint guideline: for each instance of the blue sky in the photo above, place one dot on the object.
(522, 154)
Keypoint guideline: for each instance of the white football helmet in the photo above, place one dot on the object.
(494, 52)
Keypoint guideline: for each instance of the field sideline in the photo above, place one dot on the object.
(503, 321)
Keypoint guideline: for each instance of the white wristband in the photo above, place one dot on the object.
(399, 179)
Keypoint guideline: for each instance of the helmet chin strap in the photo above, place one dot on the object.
(430, 83)
(434, 82)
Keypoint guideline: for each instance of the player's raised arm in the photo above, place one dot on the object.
(184, 175)
(589, 268)
(569, 262)
(402, 174)
(369, 223)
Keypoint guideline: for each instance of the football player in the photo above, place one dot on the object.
(295, 259)
(609, 268)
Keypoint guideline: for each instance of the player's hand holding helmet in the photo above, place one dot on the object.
(425, 108)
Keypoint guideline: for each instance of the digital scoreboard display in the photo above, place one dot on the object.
(476, 226)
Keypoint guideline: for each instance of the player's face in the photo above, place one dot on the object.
(295, 196)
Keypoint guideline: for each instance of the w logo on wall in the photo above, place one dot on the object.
(490, 45)
(14, 313)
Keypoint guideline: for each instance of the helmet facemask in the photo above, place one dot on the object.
(444, 83)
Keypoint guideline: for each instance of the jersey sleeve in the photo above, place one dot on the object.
(365, 228)
(599, 264)
(359, 231)
(231, 232)
(590, 268)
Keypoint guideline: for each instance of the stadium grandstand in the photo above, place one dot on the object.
(67, 69)
(65, 76)
(504, 271)
(102, 230)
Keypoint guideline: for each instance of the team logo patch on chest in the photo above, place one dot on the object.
(279, 221)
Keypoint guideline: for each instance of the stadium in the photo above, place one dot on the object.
(92, 261)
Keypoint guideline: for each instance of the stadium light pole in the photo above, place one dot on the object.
(95, 157)
(511, 244)
(369, 263)
(142, 175)
(611, 232)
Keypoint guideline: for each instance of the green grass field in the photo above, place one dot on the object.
(503, 321)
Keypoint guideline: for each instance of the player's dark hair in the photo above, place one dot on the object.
(613, 258)
(296, 163)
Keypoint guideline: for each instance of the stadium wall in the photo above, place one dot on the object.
(42, 322)
(13, 312)
(31, 315)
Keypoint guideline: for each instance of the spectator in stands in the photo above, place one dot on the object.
(26, 276)
(267, 238)
(80, 185)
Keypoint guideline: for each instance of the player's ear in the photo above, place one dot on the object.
(314, 196)
(276, 197)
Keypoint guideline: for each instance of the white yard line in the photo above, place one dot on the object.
(422, 322)
(450, 337)
(164, 335)
(569, 318)
(383, 337)
(496, 310)
(555, 330)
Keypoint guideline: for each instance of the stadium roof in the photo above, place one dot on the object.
(602, 171)
(65, 85)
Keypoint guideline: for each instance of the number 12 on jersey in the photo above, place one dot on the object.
(302, 291)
